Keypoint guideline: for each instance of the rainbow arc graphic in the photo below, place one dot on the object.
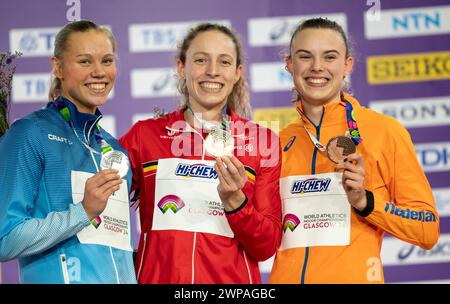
(171, 202)
(291, 221)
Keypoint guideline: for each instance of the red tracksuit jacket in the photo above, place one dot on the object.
(175, 256)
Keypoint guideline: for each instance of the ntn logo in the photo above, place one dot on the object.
(416, 21)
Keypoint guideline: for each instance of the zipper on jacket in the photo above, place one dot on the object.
(248, 268)
(313, 171)
(65, 272)
(193, 257)
(305, 262)
(142, 256)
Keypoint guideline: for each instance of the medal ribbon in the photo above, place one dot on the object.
(207, 125)
(64, 111)
(351, 123)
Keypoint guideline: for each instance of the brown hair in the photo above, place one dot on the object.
(61, 45)
(320, 23)
(238, 100)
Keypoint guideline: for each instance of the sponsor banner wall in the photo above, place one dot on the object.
(417, 112)
(442, 200)
(408, 22)
(396, 252)
(402, 69)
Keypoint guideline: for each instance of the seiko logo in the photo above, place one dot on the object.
(59, 138)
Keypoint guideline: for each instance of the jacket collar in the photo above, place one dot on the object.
(79, 120)
(176, 122)
(333, 112)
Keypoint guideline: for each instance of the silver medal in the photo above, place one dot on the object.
(115, 160)
(219, 143)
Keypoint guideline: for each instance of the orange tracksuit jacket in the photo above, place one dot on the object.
(403, 203)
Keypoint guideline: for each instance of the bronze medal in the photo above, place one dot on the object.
(339, 147)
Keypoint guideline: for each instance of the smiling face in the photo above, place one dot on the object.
(318, 65)
(210, 70)
(87, 69)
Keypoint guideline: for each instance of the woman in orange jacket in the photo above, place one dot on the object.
(348, 174)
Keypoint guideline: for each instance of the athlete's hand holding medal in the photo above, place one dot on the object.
(232, 178)
(230, 171)
(341, 150)
(114, 166)
(98, 189)
(103, 184)
(353, 179)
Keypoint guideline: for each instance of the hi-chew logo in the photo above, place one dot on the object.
(291, 221)
(311, 185)
(196, 170)
(171, 202)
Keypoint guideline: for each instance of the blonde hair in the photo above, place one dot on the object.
(238, 100)
(61, 40)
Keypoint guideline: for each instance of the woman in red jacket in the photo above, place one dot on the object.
(207, 179)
